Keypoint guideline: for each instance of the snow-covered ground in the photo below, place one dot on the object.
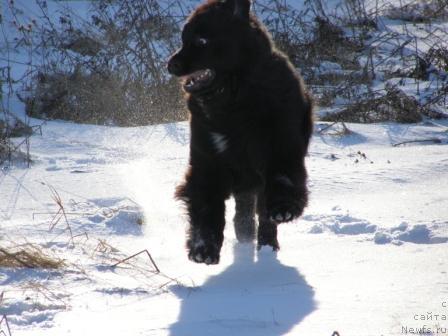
(369, 256)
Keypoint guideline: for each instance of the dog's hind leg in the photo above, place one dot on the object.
(244, 220)
(267, 228)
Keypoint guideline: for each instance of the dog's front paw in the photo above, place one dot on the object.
(201, 251)
(285, 211)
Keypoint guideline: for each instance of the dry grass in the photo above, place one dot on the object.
(28, 256)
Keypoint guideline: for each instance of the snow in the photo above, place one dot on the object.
(368, 254)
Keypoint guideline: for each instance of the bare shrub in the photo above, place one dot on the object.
(360, 52)
(10, 152)
(12, 127)
(319, 46)
(395, 105)
(102, 99)
(5, 148)
(438, 57)
(331, 44)
(109, 69)
(419, 11)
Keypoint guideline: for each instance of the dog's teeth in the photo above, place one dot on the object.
(288, 216)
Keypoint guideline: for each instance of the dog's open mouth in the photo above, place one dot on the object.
(198, 80)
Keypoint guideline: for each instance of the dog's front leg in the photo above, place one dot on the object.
(204, 196)
(286, 190)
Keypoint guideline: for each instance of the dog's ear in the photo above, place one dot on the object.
(240, 8)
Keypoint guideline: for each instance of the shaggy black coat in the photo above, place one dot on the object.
(251, 122)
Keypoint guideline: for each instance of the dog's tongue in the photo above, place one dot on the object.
(198, 80)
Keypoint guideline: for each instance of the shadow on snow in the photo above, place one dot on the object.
(250, 297)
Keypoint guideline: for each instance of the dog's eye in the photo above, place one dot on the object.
(201, 41)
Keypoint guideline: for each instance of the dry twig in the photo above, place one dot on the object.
(433, 140)
(61, 213)
(4, 321)
(136, 254)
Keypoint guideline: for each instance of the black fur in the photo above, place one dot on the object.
(250, 128)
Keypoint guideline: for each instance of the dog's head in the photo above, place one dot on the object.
(215, 43)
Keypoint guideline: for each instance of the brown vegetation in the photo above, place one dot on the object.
(28, 256)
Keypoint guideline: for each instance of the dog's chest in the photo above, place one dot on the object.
(242, 155)
(220, 142)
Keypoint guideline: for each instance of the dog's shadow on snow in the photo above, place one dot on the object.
(256, 295)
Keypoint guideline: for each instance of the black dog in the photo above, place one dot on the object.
(251, 121)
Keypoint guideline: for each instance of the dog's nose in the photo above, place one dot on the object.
(174, 67)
